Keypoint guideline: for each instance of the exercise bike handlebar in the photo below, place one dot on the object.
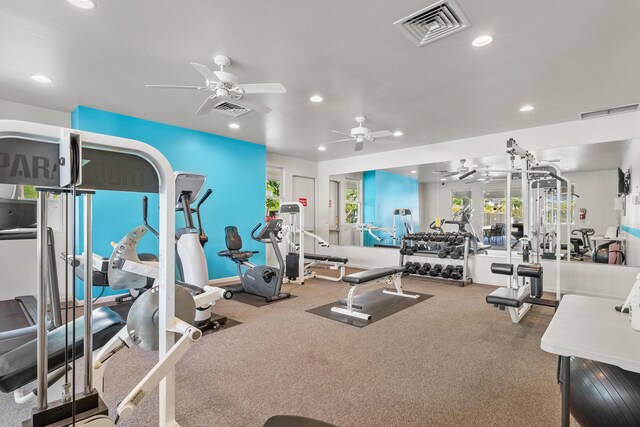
(253, 236)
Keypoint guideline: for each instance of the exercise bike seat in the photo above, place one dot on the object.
(234, 245)
(18, 367)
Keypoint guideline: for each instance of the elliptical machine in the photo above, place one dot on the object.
(261, 280)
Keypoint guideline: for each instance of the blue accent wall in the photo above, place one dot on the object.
(235, 172)
(632, 231)
(383, 192)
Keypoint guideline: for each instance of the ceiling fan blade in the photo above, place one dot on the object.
(175, 87)
(341, 133)
(255, 106)
(205, 71)
(380, 134)
(440, 171)
(263, 88)
(359, 146)
(207, 105)
(382, 141)
(450, 173)
(338, 140)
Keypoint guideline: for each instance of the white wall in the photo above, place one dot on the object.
(597, 191)
(632, 218)
(580, 132)
(292, 166)
(18, 258)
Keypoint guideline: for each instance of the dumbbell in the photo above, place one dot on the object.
(424, 269)
(435, 270)
(456, 252)
(452, 238)
(446, 272)
(444, 252)
(412, 267)
(456, 274)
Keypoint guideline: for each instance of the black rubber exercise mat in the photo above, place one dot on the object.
(254, 300)
(376, 303)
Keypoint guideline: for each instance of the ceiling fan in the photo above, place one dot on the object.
(486, 177)
(462, 169)
(361, 134)
(226, 94)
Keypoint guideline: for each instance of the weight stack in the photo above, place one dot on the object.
(292, 265)
(536, 286)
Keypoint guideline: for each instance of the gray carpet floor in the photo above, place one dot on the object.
(451, 360)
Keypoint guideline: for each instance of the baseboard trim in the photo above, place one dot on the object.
(224, 281)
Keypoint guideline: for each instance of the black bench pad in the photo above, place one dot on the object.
(18, 367)
(508, 297)
(327, 258)
(369, 275)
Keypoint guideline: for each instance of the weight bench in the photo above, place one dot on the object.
(386, 275)
(515, 297)
(19, 366)
(337, 263)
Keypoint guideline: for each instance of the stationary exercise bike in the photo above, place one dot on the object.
(261, 280)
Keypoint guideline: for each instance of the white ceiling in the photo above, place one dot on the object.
(582, 158)
(564, 57)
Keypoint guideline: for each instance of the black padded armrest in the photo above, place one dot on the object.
(369, 275)
(530, 270)
(500, 268)
(18, 367)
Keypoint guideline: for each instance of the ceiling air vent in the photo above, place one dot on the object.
(231, 109)
(434, 22)
(609, 111)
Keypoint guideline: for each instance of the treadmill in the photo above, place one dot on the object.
(18, 316)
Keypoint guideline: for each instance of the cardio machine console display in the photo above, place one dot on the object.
(274, 226)
(191, 183)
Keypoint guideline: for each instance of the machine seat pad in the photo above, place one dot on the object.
(369, 275)
(236, 255)
(326, 258)
(18, 367)
(508, 297)
(502, 268)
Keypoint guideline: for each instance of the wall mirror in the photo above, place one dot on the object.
(376, 208)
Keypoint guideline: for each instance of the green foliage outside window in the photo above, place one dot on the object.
(273, 195)
(352, 208)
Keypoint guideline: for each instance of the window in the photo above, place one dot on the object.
(352, 202)
(273, 189)
(459, 199)
(563, 208)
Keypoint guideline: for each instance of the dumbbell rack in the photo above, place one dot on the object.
(409, 239)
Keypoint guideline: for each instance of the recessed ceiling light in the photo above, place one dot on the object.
(414, 171)
(526, 108)
(234, 126)
(321, 148)
(481, 179)
(482, 41)
(83, 4)
(316, 98)
(443, 179)
(398, 133)
(40, 78)
(567, 169)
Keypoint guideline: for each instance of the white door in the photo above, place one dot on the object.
(334, 212)
(304, 191)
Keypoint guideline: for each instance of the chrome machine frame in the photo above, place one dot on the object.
(38, 144)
